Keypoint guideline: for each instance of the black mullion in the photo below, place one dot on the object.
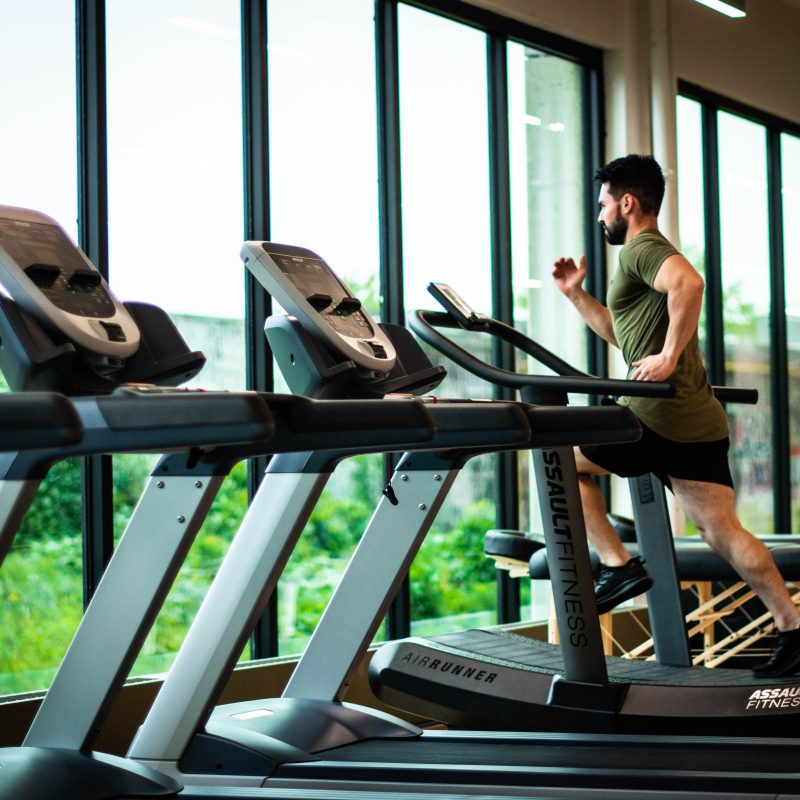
(389, 168)
(715, 341)
(96, 471)
(258, 305)
(390, 223)
(506, 475)
(779, 372)
(597, 275)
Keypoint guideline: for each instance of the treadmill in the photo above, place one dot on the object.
(565, 764)
(666, 696)
(63, 328)
(309, 734)
(446, 764)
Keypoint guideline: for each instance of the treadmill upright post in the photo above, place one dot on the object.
(654, 534)
(570, 567)
(163, 526)
(384, 553)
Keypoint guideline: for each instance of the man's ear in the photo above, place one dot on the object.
(627, 203)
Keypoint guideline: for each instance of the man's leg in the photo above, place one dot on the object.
(620, 576)
(710, 506)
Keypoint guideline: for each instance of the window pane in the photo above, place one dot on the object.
(790, 158)
(691, 205)
(549, 214)
(746, 302)
(445, 168)
(175, 228)
(38, 156)
(323, 160)
(41, 592)
(175, 170)
(323, 192)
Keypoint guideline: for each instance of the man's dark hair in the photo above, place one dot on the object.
(638, 175)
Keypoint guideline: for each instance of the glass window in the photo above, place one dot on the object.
(323, 196)
(548, 190)
(446, 237)
(175, 169)
(40, 580)
(38, 155)
(744, 237)
(175, 228)
(691, 195)
(790, 159)
(549, 214)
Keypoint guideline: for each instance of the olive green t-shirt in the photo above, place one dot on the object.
(640, 319)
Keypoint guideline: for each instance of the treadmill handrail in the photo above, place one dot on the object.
(424, 323)
(38, 419)
(569, 379)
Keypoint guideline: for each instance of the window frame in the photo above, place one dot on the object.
(710, 104)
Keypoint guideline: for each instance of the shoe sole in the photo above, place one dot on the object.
(625, 591)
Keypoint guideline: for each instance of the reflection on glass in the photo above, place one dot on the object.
(746, 302)
(323, 193)
(175, 228)
(790, 160)
(444, 147)
(41, 590)
(691, 205)
(548, 187)
(549, 214)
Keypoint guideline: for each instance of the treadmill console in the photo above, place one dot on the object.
(456, 306)
(49, 277)
(309, 290)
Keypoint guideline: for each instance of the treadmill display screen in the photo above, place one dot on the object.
(312, 276)
(34, 243)
(51, 261)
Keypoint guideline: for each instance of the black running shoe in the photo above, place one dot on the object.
(785, 658)
(616, 584)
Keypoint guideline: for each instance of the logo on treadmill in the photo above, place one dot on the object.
(776, 698)
(454, 668)
(565, 563)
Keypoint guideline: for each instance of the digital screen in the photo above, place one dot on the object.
(56, 267)
(313, 276)
(36, 243)
(455, 300)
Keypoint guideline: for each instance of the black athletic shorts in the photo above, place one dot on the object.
(694, 461)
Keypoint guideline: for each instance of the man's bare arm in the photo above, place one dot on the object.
(683, 285)
(569, 279)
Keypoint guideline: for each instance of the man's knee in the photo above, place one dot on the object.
(586, 467)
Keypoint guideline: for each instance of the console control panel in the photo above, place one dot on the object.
(307, 288)
(49, 277)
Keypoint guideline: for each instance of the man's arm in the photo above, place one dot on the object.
(684, 286)
(569, 279)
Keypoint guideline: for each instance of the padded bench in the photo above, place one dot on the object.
(698, 566)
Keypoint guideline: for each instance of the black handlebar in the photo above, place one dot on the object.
(424, 324)
(568, 379)
(730, 394)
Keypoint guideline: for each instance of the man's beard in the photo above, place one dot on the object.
(616, 232)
